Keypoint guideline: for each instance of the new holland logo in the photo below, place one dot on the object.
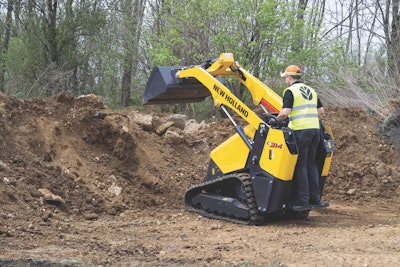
(306, 92)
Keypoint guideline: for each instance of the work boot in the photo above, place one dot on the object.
(300, 208)
(319, 204)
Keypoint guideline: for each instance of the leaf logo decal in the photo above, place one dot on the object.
(306, 93)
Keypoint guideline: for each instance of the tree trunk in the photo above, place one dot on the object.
(126, 81)
(6, 41)
(134, 21)
(394, 48)
(302, 6)
(52, 28)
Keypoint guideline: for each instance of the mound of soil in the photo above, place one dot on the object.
(67, 161)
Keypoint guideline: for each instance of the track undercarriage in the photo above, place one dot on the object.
(231, 198)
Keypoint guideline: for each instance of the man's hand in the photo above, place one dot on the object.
(284, 113)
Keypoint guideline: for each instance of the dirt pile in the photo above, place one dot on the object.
(67, 157)
(94, 159)
(365, 164)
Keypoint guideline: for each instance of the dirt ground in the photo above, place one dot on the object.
(83, 185)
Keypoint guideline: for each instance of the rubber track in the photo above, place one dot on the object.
(254, 215)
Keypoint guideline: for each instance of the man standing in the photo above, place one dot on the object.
(302, 105)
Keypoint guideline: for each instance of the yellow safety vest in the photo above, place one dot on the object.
(304, 114)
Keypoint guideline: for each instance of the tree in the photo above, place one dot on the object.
(5, 43)
(47, 53)
(391, 26)
(133, 13)
(109, 47)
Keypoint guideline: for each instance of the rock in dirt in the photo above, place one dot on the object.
(115, 190)
(161, 129)
(173, 137)
(144, 120)
(178, 119)
(51, 198)
(192, 126)
(91, 216)
(4, 166)
(351, 191)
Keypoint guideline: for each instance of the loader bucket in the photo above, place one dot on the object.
(163, 88)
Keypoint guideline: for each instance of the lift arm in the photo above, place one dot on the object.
(225, 65)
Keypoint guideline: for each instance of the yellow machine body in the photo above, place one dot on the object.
(276, 159)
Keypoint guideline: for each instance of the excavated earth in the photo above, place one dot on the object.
(83, 185)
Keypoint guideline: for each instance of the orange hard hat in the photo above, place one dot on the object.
(292, 70)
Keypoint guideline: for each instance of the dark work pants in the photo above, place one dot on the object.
(306, 174)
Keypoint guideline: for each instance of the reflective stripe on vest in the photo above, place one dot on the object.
(304, 114)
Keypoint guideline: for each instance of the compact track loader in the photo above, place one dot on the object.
(249, 176)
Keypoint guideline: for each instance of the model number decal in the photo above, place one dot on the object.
(274, 145)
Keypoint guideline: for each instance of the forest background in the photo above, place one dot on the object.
(349, 49)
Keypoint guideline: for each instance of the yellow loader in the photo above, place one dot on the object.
(249, 176)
